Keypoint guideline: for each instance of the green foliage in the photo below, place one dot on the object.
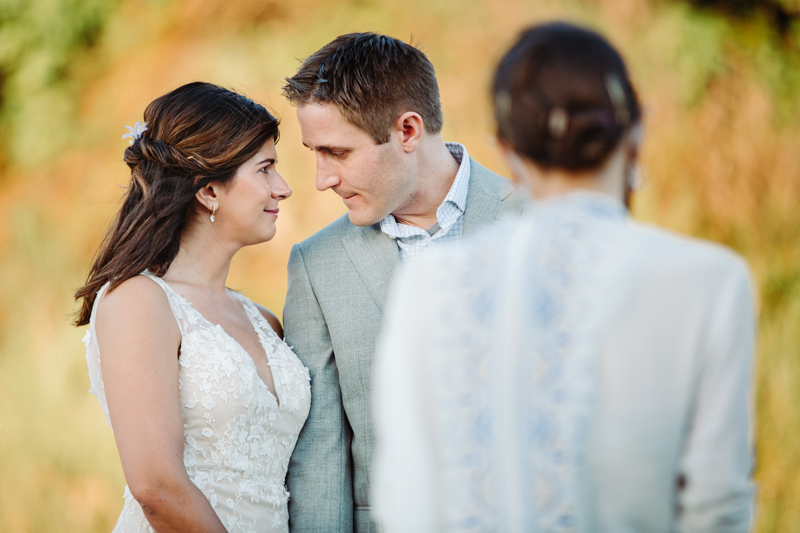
(693, 44)
(702, 45)
(41, 41)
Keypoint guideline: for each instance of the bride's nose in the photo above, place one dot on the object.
(280, 189)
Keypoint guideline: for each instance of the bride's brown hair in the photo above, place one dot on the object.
(197, 134)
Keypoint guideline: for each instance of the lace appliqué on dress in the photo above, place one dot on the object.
(238, 436)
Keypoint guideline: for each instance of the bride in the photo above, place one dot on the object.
(204, 398)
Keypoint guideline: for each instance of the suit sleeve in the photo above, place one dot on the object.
(717, 463)
(320, 470)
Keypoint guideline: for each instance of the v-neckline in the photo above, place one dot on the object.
(275, 396)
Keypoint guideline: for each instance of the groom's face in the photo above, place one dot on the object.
(369, 177)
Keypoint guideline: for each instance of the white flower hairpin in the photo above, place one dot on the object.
(135, 132)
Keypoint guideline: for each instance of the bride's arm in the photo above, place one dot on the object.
(138, 340)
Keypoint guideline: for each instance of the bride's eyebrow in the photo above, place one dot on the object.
(269, 161)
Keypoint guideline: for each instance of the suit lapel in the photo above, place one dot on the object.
(374, 256)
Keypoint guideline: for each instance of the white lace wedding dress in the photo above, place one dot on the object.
(238, 436)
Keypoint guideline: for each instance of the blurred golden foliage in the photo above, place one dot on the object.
(722, 154)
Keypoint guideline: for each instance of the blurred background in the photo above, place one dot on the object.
(720, 82)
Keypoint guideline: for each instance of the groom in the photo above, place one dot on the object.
(368, 107)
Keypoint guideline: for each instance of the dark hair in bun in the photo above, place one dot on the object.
(562, 97)
(196, 134)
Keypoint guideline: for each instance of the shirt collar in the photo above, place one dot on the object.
(456, 196)
(458, 191)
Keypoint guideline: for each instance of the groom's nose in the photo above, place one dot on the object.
(326, 176)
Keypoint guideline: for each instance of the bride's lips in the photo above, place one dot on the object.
(273, 212)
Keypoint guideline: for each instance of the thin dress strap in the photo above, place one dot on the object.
(180, 307)
(93, 358)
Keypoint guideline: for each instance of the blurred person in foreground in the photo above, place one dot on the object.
(204, 398)
(368, 107)
(571, 370)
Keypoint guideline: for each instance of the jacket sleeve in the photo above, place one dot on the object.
(715, 490)
(320, 470)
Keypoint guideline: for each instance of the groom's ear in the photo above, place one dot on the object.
(409, 128)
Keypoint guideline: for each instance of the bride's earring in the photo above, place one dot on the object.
(213, 210)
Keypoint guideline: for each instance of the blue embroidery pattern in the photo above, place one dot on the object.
(550, 390)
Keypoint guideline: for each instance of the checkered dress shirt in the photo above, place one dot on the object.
(413, 241)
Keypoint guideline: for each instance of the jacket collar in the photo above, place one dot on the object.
(375, 255)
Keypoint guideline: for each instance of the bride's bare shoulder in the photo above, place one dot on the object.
(136, 303)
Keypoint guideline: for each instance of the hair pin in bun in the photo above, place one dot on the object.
(557, 122)
(617, 95)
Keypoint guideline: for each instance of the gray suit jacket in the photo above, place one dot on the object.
(338, 279)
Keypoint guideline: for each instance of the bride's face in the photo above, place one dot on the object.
(248, 204)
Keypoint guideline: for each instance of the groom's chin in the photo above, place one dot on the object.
(359, 217)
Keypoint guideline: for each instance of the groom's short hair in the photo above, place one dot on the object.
(372, 79)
